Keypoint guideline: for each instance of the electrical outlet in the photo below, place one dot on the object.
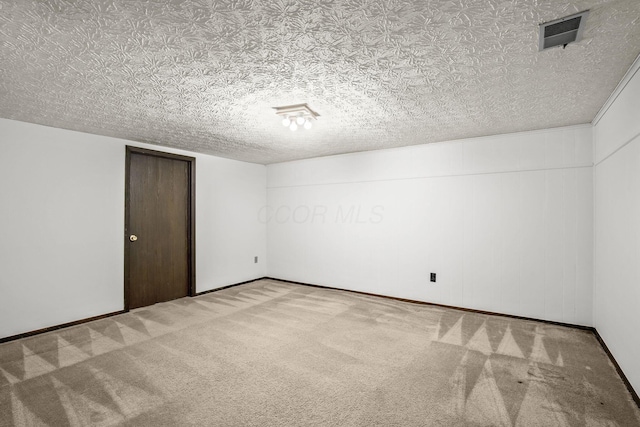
(433, 277)
(255, 260)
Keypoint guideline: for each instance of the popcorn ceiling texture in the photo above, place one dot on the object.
(202, 75)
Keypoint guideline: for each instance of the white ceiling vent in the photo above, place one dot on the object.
(562, 31)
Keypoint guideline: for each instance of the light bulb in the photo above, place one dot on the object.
(300, 120)
(293, 126)
(286, 121)
(307, 124)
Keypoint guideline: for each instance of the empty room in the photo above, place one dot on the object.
(320, 213)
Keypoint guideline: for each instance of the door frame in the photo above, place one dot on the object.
(191, 216)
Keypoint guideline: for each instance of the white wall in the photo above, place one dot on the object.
(62, 222)
(617, 226)
(228, 195)
(505, 222)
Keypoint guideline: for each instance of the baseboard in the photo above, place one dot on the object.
(102, 316)
(61, 326)
(470, 310)
(591, 329)
(227, 286)
(634, 395)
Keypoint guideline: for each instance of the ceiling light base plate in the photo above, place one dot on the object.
(296, 110)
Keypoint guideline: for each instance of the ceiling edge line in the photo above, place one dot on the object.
(631, 72)
(446, 141)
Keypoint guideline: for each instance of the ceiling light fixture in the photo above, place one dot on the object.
(297, 115)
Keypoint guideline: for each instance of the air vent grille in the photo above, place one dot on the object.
(562, 27)
(562, 31)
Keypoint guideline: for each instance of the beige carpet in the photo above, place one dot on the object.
(269, 353)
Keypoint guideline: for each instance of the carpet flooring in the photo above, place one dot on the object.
(269, 353)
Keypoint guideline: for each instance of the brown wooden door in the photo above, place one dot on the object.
(158, 229)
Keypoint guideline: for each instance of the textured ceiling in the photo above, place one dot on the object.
(202, 75)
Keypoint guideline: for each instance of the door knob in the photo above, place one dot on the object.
(133, 238)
